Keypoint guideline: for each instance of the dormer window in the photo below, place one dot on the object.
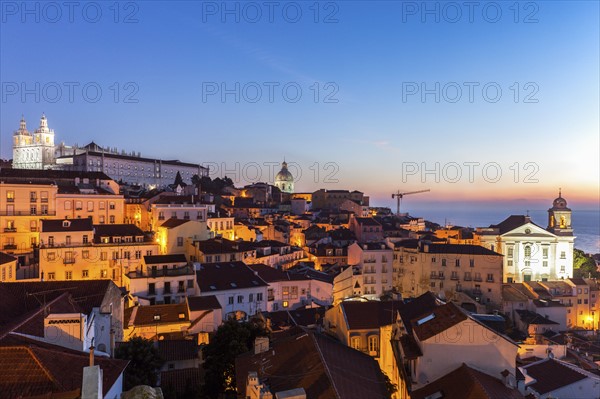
(66, 223)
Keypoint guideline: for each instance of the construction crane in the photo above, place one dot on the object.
(398, 195)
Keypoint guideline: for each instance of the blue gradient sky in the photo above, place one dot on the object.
(369, 53)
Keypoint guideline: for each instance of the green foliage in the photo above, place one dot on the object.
(179, 180)
(207, 185)
(144, 362)
(231, 339)
(390, 387)
(584, 266)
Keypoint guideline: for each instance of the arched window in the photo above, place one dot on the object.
(527, 251)
(355, 343)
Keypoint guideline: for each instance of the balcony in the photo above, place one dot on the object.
(180, 271)
(44, 200)
(186, 217)
(10, 229)
(10, 200)
(441, 277)
(478, 279)
(33, 229)
(181, 290)
(489, 280)
(33, 199)
(166, 291)
(68, 261)
(454, 278)
(26, 213)
(369, 261)
(10, 246)
(161, 218)
(270, 298)
(468, 278)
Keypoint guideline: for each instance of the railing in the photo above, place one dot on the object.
(181, 290)
(180, 271)
(10, 229)
(479, 279)
(489, 280)
(68, 261)
(10, 246)
(44, 200)
(186, 217)
(26, 213)
(33, 229)
(270, 298)
(454, 278)
(468, 278)
(166, 290)
(369, 261)
(10, 200)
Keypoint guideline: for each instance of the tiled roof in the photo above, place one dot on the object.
(577, 281)
(178, 382)
(170, 258)
(173, 222)
(20, 299)
(369, 315)
(463, 249)
(227, 276)
(177, 349)
(51, 174)
(467, 383)
(145, 315)
(217, 246)
(511, 294)
(410, 347)
(324, 367)
(30, 368)
(552, 374)
(439, 319)
(530, 317)
(66, 225)
(198, 303)
(116, 230)
(511, 223)
(270, 274)
(6, 258)
(367, 222)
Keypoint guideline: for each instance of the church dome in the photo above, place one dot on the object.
(284, 174)
(560, 202)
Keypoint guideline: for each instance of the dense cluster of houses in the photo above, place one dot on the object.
(356, 300)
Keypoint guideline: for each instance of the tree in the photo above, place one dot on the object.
(231, 339)
(583, 265)
(144, 362)
(179, 180)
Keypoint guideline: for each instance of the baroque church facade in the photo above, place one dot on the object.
(531, 252)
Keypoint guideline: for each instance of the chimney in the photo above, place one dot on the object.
(261, 345)
(92, 353)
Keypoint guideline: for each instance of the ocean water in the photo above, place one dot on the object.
(585, 223)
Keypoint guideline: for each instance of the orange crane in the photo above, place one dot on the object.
(398, 195)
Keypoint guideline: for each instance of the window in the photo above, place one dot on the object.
(432, 259)
(510, 252)
(138, 254)
(457, 263)
(78, 205)
(373, 343)
(259, 297)
(102, 205)
(527, 251)
(90, 206)
(355, 343)
(180, 241)
(490, 277)
(111, 205)
(544, 263)
(103, 255)
(85, 239)
(85, 274)
(32, 196)
(240, 299)
(250, 297)
(68, 240)
(509, 263)
(51, 276)
(68, 205)
(44, 209)
(167, 287)
(472, 262)
(10, 196)
(151, 288)
(443, 262)
(69, 275)
(101, 219)
(112, 219)
(286, 304)
(230, 300)
(190, 283)
(33, 210)
(85, 254)
(563, 255)
(545, 252)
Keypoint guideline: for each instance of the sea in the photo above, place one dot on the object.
(585, 223)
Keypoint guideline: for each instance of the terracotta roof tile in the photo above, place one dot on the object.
(437, 320)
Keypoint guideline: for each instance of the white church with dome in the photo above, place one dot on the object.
(532, 253)
(284, 180)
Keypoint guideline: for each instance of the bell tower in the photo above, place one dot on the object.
(559, 216)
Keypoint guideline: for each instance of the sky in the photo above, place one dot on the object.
(494, 104)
